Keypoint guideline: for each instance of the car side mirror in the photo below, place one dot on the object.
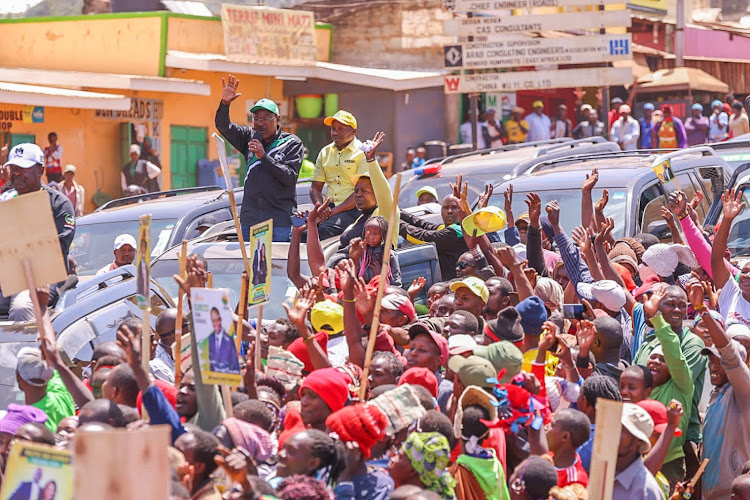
(660, 229)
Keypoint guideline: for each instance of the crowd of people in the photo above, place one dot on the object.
(655, 128)
(488, 390)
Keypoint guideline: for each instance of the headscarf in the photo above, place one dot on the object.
(372, 258)
(550, 292)
(251, 437)
(429, 455)
(359, 423)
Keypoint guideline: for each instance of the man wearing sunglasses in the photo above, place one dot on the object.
(162, 366)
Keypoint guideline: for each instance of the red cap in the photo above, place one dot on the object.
(360, 423)
(420, 376)
(421, 328)
(330, 385)
(658, 413)
(626, 276)
(647, 285)
(299, 349)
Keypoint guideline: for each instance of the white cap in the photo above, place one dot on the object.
(639, 423)
(25, 155)
(135, 148)
(461, 343)
(608, 292)
(125, 239)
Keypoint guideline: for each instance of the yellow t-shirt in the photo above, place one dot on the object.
(530, 356)
(336, 167)
(513, 130)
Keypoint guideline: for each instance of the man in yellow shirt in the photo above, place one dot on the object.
(337, 163)
(516, 127)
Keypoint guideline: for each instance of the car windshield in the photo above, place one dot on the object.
(226, 274)
(93, 243)
(570, 206)
(80, 337)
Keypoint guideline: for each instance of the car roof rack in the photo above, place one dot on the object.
(506, 147)
(119, 202)
(572, 144)
(703, 150)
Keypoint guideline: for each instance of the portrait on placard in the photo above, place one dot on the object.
(261, 241)
(214, 336)
(37, 471)
(142, 265)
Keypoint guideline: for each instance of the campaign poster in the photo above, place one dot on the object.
(142, 270)
(214, 336)
(37, 471)
(261, 241)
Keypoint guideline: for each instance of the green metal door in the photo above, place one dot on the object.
(16, 139)
(187, 146)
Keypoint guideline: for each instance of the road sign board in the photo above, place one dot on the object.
(527, 51)
(535, 80)
(494, 27)
(492, 5)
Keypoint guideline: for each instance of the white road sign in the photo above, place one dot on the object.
(494, 27)
(492, 5)
(535, 80)
(528, 51)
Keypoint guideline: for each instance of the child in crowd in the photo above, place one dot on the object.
(367, 252)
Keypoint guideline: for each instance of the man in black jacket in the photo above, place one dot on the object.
(26, 163)
(273, 160)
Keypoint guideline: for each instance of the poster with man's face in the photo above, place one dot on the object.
(37, 471)
(142, 269)
(214, 336)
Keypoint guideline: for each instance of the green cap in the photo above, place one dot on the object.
(502, 355)
(472, 370)
(266, 104)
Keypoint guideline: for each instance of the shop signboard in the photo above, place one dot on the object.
(498, 27)
(494, 5)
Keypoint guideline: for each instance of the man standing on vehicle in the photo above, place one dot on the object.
(274, 159)
(124, 253)
(336, 164)
(26, 163)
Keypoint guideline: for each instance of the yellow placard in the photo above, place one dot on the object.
(261, 241)
(214, 336)
(37, 471)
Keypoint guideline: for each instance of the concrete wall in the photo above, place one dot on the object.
(397, 36)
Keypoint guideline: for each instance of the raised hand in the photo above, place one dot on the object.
(49, 350)
(651, 306)
(586, 334)
(591, 180)
(732, 204)
(534, 202)
(695, 292)
(531, 274)
(548, 338)
(563, 350)
(461, 191)
(674, 413)
(581, 238)
(130, 342)
(677, 202)
(599, 205)
(668, 216)
(579, 93)
(697, 199)
(604, 232)
(229, 89)
(507, 256)
(195, 275)
(553, 213)
(416, 286)
(376, 142)
(364, 298)
(508, 196)
(484, 198)
(356, 249)
(346, 274)
(305, 301)
(321, 211)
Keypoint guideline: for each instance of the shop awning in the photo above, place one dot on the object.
(388, 79)
(36, 95)
(681, 79)
(78, 79)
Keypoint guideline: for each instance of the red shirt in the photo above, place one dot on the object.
(573, 474)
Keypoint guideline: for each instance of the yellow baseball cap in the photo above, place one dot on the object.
(537, 104)
(427, 189)
(484, 220)
(327, 316)
(342, 116)
(475, 285)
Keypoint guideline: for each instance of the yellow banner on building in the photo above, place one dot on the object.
(266, 35)
(654, 6)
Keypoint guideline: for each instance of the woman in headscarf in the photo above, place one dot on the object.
(551, 294)
(422, 461)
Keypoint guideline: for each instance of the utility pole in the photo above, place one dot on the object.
(679, 39)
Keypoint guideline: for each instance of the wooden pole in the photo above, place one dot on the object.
(226, 396)
(258, 326)
(241, 308)
(209, 279)
(392, 224)
(178, 322)
(34, 299)
(145, 220)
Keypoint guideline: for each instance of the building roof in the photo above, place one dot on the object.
(79, 79)
(388, 79)
(681, 79)
(37, 95)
